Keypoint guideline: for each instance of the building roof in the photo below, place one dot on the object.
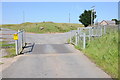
(108, 22)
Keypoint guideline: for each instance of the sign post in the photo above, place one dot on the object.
(15, 36)
(16, 42)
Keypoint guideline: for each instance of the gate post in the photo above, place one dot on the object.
(16, 46)
(15, 37)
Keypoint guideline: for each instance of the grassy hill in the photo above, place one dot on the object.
(49, 27)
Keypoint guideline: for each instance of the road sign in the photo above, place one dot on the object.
(15, 36)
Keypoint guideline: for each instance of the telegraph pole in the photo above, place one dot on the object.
(92, 15)
(23, 17)
(69, 17)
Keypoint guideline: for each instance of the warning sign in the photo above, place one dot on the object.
(15, 36)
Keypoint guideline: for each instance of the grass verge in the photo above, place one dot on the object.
(104, 52)
(11, 52)
(5, 44)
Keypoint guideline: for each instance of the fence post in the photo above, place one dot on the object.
(16, 43)
(78, 34)
(89, 34)
(92, 31)
(76, 41)
(84, 41)
(104, 29)
(70, 36)
(101, 30)
(22, 38)
(98, 32)
(16, 46)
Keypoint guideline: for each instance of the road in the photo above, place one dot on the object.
(49, 56)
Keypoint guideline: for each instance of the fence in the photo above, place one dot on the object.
(84, 34)
(6, 40)
(19, 38)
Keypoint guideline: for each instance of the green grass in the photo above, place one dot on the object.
(104, 52)
(1, 63)
(49, 27)
(11, 52)
(5, 44)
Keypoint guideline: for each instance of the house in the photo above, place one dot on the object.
(107, 22)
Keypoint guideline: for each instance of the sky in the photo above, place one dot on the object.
(19, 12)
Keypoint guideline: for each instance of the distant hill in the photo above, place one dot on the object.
(43, 27)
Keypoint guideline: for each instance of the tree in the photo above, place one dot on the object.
(85, 18)
(116, 21)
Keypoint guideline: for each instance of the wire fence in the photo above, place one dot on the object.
(85, 34)
(6, 38)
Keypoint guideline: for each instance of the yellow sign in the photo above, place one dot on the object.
(15, 36)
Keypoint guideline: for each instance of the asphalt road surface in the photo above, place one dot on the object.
(48, 56)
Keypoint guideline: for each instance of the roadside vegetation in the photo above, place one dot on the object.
(1, 63)
(4, 44)
(43, 27)
(104, 52)
(11, 52)
(9, 48)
